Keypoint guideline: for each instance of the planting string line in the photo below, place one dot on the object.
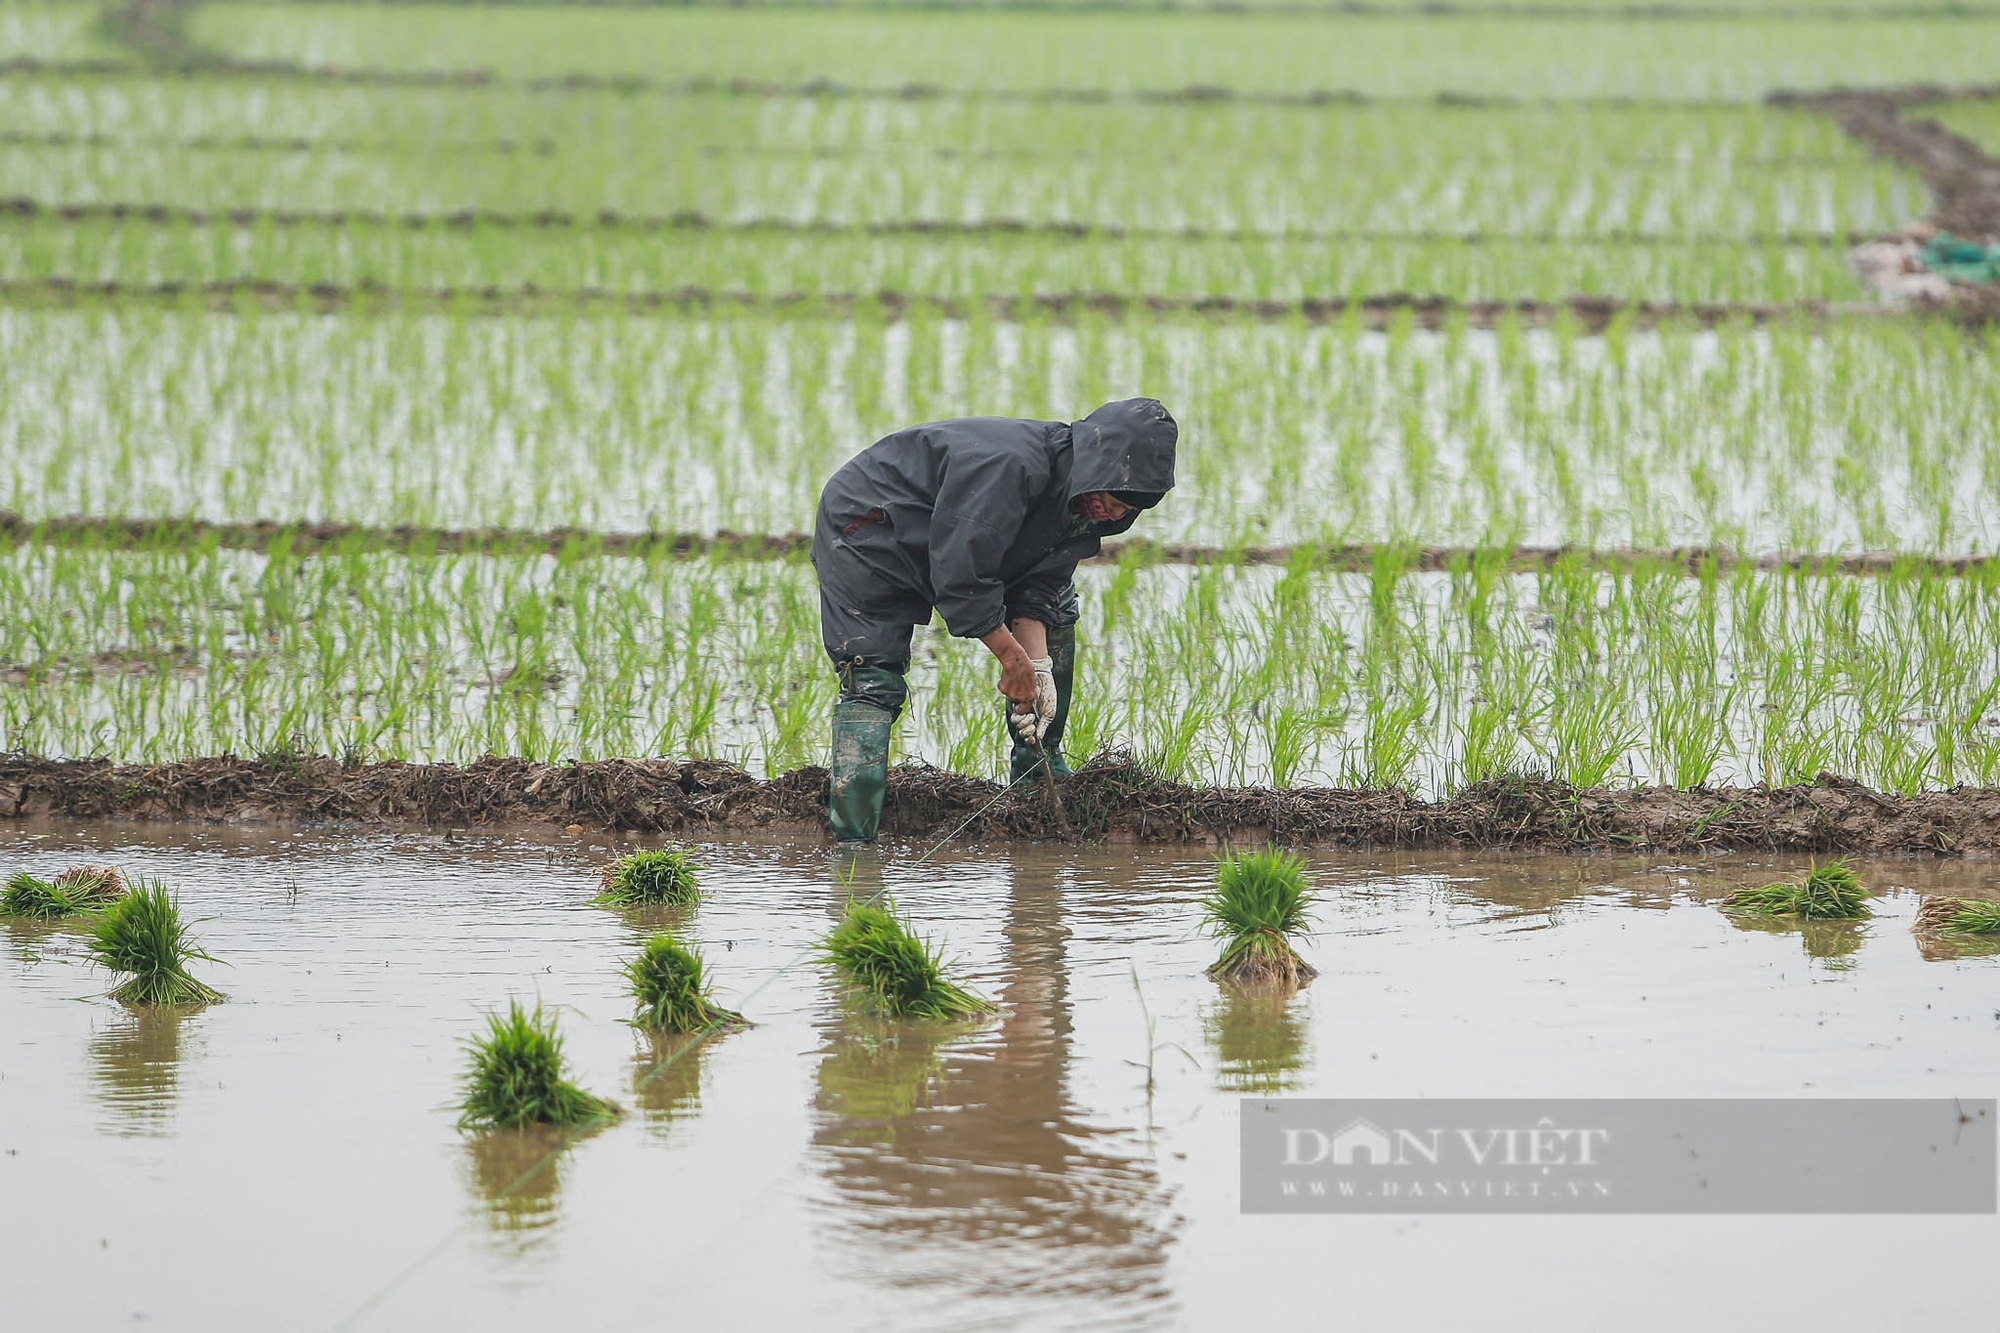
(696, 1039)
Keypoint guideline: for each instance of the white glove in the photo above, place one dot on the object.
(1031, 721)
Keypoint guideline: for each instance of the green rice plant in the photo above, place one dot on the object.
(1261, 900)
(666, 978)
(517, 1076)
(142, 935)
(1959, 916)
(659, 877)
(1831, 892)
(76, 890)
(897, 971)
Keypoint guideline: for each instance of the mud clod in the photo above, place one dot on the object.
(1110, 799)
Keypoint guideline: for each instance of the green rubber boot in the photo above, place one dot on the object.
(860, 776)
(1026, 763)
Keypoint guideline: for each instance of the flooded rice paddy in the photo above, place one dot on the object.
(288, 1158)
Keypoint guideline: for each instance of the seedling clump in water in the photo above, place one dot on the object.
(667, 981)
(517, 1077)
(76, 890)
(1261, 899)
(900, 973)
(651, 878)
(1832, 892)
(142, 934)
(1959, 916)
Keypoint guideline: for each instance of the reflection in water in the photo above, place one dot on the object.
(1833, 943)
(962, 1165)
(1259, 1040)
(1946, 947)
(667, 1076)
(135, 1068)
(34, 942)
(517, 1174)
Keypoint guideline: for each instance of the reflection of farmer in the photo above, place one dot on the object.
(984, 519)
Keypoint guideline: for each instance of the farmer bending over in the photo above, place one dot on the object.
(984, 519)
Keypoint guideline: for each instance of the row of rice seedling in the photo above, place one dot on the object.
(56, 30)
(1866, 435)
(1978, 119)
(1532, 56)
(1573, 174)
(593, 130)
(963, 268)
(1222, 673)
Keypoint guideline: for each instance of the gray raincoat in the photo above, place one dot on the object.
(973, 517)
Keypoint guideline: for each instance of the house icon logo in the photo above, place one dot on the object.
(1362, 1143)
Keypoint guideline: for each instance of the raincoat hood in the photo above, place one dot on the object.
(1127, 447)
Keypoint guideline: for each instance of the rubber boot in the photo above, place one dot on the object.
(860, 776)
(1026, 763)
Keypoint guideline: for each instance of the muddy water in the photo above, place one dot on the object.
(288, 1158)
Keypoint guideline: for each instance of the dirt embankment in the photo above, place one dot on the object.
(1110, 799)
(694, 220)
(267, 535)
(1591, 314)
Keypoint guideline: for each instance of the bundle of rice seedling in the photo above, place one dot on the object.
(667, 981)
(142, 934)
(76, 890)
(1832, 892)
(651, 878)
(902, 975)
(517, 1076)
(1959, 916)
(1261, 899)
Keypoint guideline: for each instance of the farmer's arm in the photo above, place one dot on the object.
(981, 504)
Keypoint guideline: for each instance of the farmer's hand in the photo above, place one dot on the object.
(1030, 718)
(1017, 678)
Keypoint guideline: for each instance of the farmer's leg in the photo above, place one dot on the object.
(872, 658)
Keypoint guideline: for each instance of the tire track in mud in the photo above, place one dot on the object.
(1591, 314)
(693, 220)
(1109, 799)
(266, 535)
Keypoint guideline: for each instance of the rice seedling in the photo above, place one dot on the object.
(517, 1076)
(666, 979)
(892, 968)
(142, 935)
(75, 891)
(1261, 900)
(1830, 892)
(1959, 916)
(658, 877)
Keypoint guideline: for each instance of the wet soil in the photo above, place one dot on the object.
(271, 536)
(1108, 800)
